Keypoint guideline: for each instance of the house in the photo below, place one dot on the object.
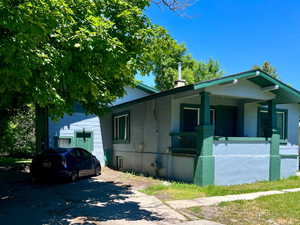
(86, 131)
(236, 129)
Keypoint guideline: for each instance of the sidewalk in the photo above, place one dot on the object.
(181, 204)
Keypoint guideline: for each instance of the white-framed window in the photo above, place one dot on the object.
(121, 127)
(263, 123)
(64, 142)
(191, 118)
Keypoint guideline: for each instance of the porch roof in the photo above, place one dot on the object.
(284, 92)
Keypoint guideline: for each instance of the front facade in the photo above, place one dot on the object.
(238, 129)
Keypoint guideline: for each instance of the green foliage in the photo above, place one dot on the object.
(266, 67)
(10, 161)
(163, 56)
(19, 136)
(55, 52)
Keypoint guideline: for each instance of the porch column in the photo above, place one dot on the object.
(274, 173)
(204, 160)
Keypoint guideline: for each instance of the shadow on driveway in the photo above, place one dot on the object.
(88, 201)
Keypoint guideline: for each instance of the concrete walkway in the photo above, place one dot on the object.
(181, 204)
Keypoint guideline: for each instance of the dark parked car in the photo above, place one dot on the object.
(70, 163)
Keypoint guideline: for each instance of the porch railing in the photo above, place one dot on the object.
(183, 142)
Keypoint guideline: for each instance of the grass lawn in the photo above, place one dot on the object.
(280, 209)
(177, 191)
(10, 161)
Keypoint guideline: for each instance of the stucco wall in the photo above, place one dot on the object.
(289, 165)
(241, 162)
(149, 137)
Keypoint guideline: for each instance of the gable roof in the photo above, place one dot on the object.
(285, 93)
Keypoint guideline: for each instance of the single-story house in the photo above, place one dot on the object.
(236, 129)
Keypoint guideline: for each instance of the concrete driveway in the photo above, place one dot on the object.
(88, 201)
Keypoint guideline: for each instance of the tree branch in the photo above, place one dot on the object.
(175, 5)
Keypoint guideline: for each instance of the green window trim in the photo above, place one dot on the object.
(196, 107)
(283, 130)
(121, 128)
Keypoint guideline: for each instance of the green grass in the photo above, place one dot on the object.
(10, 161)
(280, 209)
(177, 191)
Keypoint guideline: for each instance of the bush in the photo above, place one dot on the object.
(19, 136)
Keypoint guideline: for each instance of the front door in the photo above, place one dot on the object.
(84, 139)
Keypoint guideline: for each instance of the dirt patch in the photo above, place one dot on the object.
(136, 182)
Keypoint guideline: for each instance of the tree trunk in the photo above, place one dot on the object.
(41, 129)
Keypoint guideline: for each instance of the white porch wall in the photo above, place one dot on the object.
(250, 120)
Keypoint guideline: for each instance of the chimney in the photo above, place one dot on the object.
(179, 82)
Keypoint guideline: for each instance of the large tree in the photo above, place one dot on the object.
(165, 53)
(54, 52)
(268, 68)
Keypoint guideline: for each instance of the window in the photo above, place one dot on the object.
(263, 123)
(64, 142)
(191, 118)
(121, 127)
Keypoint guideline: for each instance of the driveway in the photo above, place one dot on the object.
(99, 200)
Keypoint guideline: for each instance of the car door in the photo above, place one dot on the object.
(87, 163)
(77, 161)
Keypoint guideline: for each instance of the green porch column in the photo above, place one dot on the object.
(204, 160)
(274, 173)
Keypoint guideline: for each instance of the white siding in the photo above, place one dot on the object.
(69, 124)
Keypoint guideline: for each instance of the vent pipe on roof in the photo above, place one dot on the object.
(179, 82)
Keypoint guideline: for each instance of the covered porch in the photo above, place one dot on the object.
(242, 116)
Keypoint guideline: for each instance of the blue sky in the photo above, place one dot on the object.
(238, 33)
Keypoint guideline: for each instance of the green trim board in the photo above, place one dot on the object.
(289, 156)
(285, 93)
(146, 88)
(127, 128)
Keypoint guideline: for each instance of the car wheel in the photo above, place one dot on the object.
(97, 171)
(74, 176)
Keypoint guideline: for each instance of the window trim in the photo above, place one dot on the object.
(285, 129)
(191, 107)
(64, 137)
(127, 128)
